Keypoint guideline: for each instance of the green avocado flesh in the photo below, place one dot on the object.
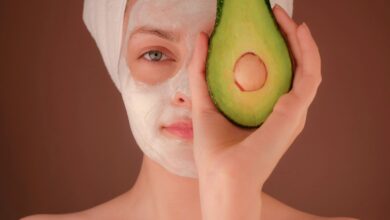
(241, 27)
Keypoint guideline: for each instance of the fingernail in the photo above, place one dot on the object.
(305, 27)
(279, 8)
(206, 34)
(200, 35)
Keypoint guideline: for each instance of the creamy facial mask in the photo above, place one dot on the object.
(150, 107)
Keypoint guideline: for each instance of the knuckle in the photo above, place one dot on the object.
(286, 106)
(315, 48)
(302, 124)
(291, 31)
(313, 79)
(319, 80)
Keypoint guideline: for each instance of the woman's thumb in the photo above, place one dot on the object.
(201, 101)
(210, 126)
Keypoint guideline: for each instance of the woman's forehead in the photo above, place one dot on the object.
(172, 14)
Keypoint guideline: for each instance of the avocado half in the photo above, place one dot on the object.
(242, 27)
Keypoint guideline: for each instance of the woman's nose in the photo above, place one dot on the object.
(181, 100)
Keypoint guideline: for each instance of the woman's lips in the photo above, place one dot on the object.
(180, 129)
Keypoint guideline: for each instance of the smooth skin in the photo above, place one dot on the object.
(233, 163)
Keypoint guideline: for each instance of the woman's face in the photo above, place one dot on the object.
(158, 44)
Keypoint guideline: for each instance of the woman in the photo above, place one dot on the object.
(196, 164)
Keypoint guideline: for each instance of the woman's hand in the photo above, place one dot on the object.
(234, 163)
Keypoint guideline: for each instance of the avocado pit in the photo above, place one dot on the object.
(250, 73)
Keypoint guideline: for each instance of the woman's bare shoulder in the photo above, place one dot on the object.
(95, 213)
(275, 209)
(72, 216)
(112, 209)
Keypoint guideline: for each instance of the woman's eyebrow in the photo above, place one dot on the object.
(168, 35)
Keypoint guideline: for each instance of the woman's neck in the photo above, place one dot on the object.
(164, 194)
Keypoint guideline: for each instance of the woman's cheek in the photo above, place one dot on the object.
(151, 72)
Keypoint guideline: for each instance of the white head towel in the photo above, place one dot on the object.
(104, 20)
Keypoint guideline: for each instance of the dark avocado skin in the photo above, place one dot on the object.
(219, 12)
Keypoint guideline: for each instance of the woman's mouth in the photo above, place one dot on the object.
(181, 129)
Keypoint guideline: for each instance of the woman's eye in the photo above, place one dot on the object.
(154, 56)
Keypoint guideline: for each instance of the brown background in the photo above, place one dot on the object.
(66, 144)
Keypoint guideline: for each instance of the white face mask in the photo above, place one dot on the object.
(151, 106)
